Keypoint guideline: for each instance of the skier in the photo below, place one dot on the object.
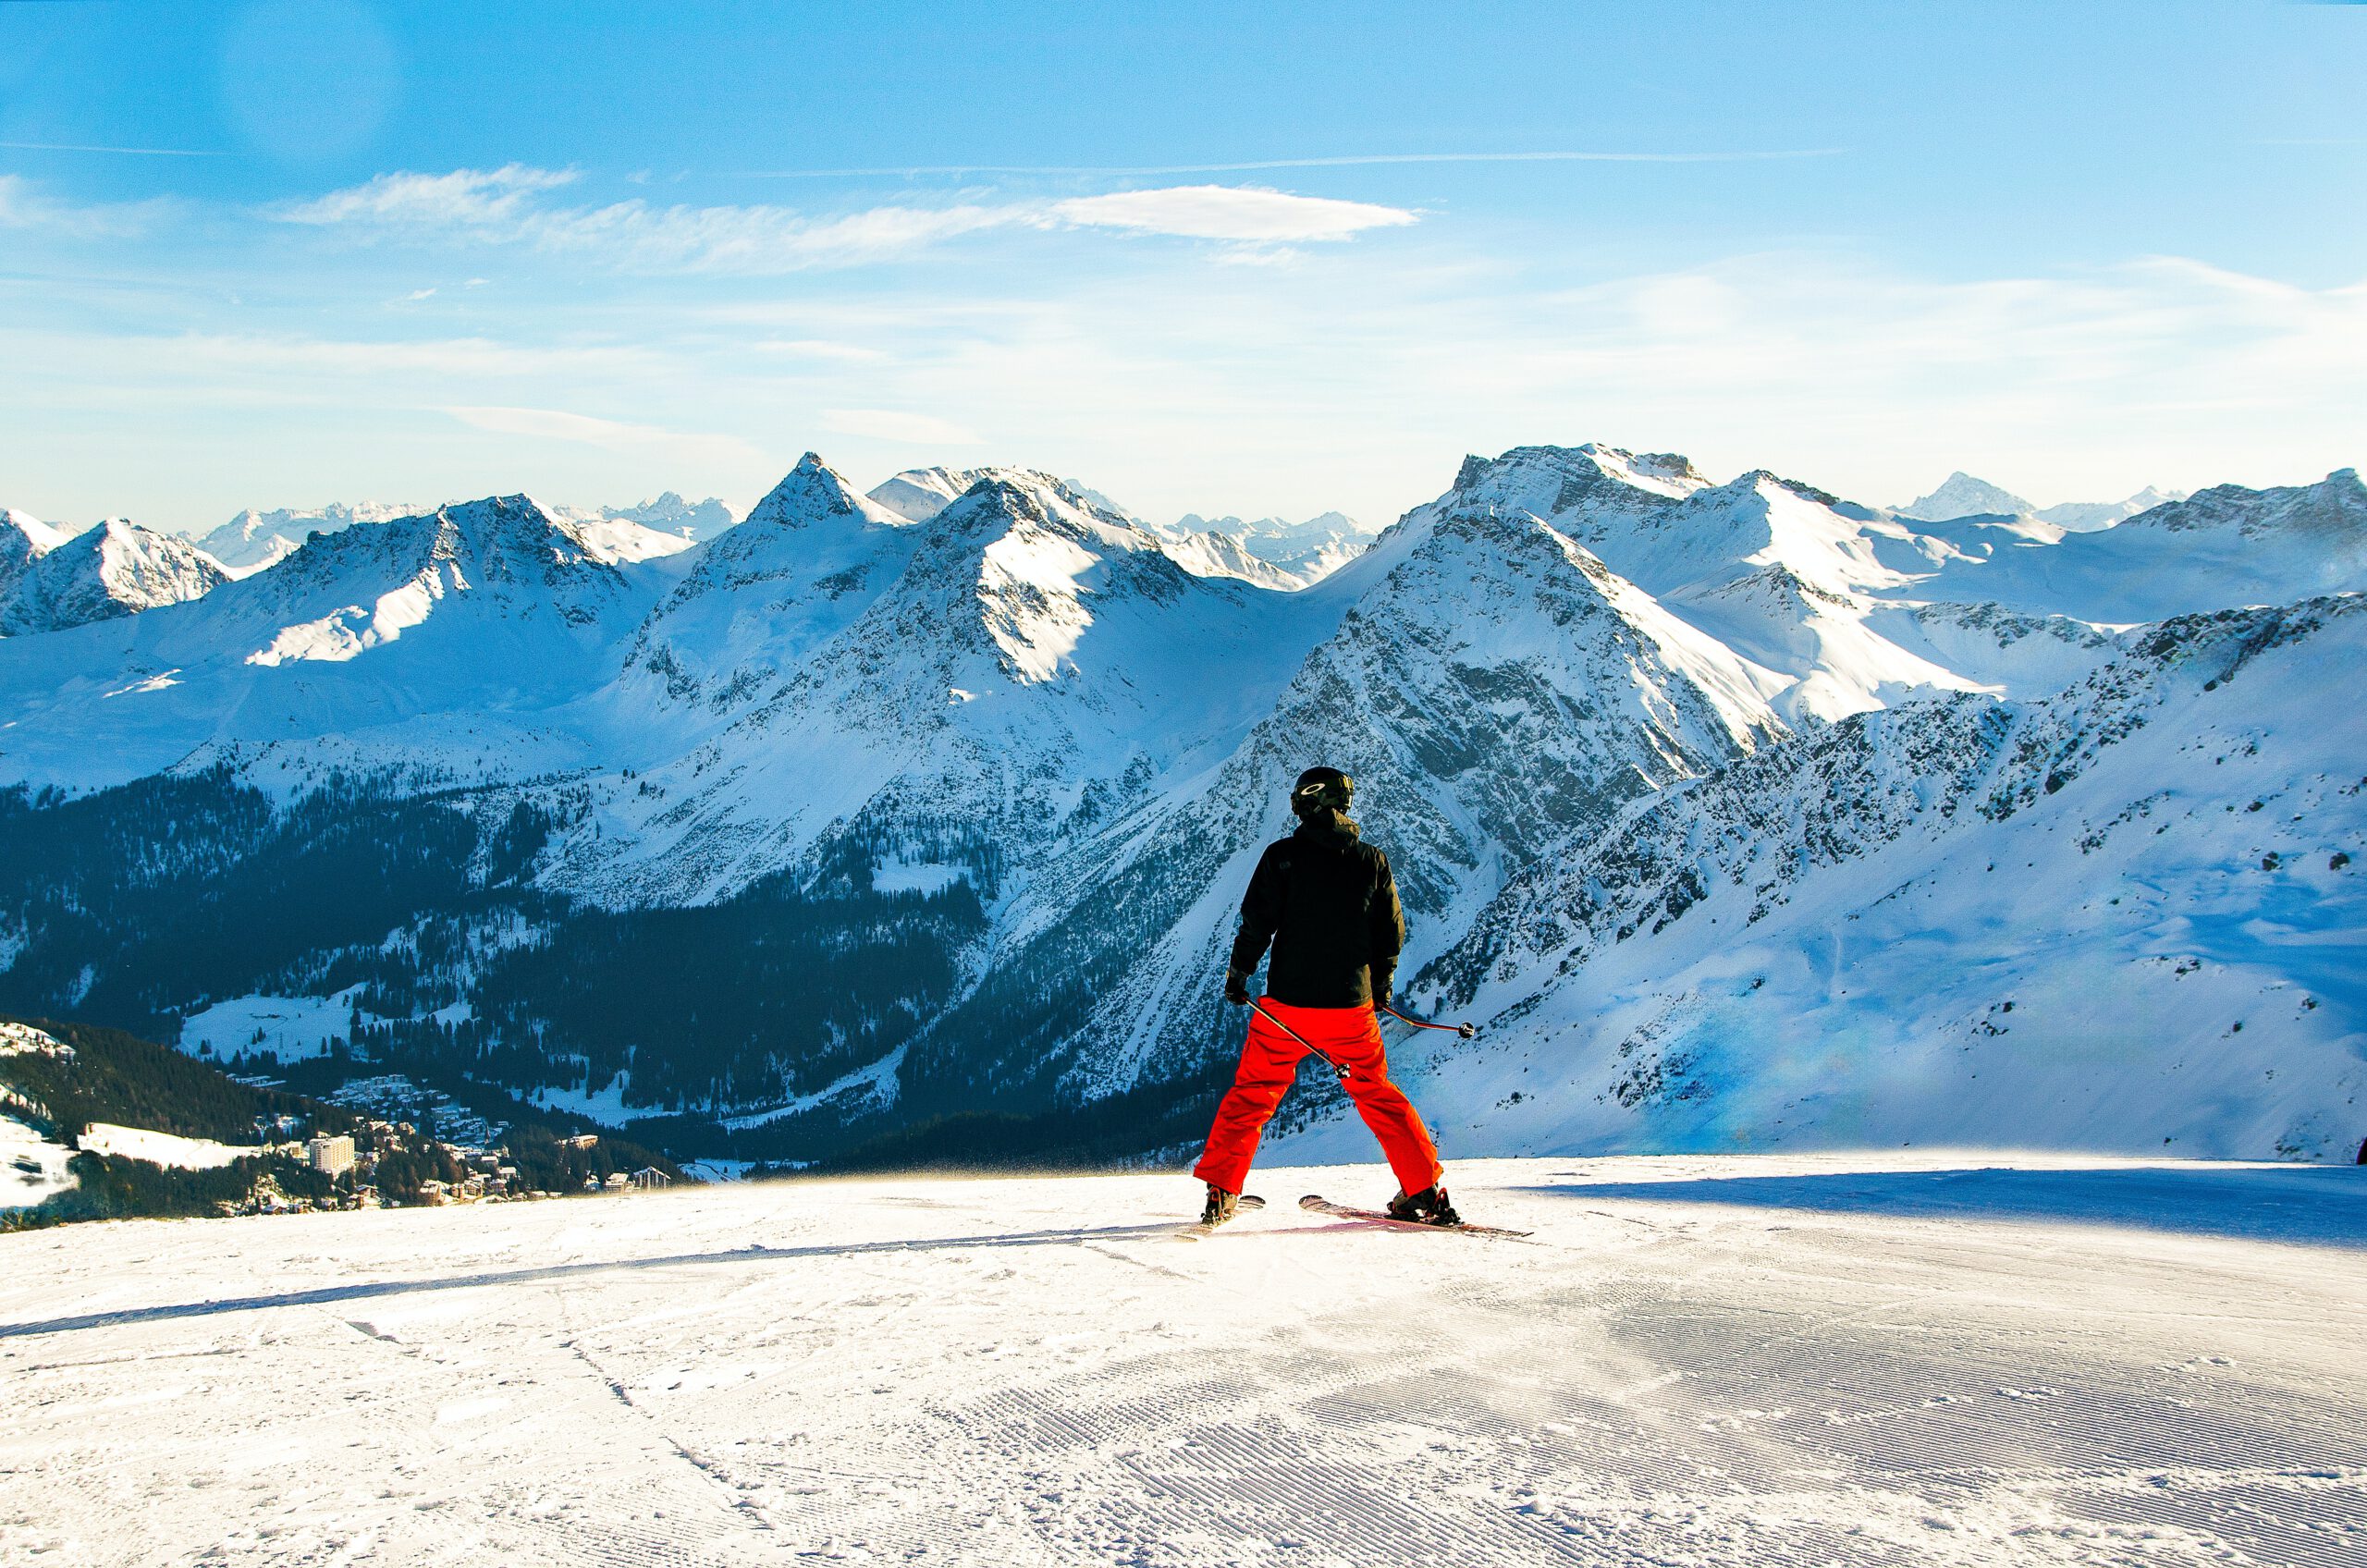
(1328, 904)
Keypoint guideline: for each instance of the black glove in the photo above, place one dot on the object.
(1236, 987)
(1383, 978)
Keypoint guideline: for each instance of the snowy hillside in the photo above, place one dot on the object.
(1307, 551)
(116, 568)
(256, 539)
(475, 611)
(915, 822)
(2220, 548)
(24, 539)
(1502, 689)
(2115, 916)
(2086, 517)
(1910, 1357)
(1268, 552)
(1004, 660)
(1963, 496)
(760, 598)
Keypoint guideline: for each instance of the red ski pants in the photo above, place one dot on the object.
(1269, 1058)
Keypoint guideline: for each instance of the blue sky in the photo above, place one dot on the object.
(1217, 258)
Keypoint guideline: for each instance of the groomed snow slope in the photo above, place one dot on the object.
(1931, 1359)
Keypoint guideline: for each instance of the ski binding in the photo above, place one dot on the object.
(1200, 1228)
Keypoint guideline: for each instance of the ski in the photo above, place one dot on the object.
(1316, 1203)
(1200, 1228)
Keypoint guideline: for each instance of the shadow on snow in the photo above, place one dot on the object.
(2318, 1205)
(325, 1293)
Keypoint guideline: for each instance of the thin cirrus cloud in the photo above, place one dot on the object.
(509, 205)
(24, 205)
(1254, 165)
(1246, 214)
(557, 424)
(463, 199)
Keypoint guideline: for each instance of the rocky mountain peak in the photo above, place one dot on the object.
(2334, 510)
(116, 568)
(1960, 495)
(812, 493)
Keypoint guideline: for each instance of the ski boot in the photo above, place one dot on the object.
(1221, 1206)
(1429, 1207)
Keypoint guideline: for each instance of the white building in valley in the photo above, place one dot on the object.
(332, 1156)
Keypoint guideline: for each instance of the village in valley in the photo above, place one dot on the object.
(96, 1123)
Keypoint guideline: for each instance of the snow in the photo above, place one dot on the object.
(255, 539)
(115, 570)
(917, 876)
(32, 1168)
(919, 494)
(1932, 1358)
(875, 1083)
(161, 1149)
(1571, 653)
(291, 1028)
(39, 537)
(23, 1039)
(1299, 552)
(605, 1105)
(1963, 496)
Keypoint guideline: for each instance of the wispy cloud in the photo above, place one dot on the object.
(507, 206)
(1257, 165)
(557, 424)
(463, 199)
(504, 206)
(24, 205)
(124, 152)
(887, 424)
(1248, 212)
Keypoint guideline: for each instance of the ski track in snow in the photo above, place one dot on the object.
(1782, 1359)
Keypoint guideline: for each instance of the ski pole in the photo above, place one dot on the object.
(1468, 1031)
(1258, 1003)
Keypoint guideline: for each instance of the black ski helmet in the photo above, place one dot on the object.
(1320, 787)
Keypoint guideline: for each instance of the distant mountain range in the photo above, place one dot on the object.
(910, 824)
(1307, 551)
(51, 580)
(1963, 496)
(256, 539)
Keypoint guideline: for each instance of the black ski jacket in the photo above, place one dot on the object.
(1327, 902)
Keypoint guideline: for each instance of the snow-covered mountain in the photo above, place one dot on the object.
(919, 494)
(2223, 546)
(1223, 555)
(1962, 496)
(256, 539)
(479, 613)
(671, 514)
(2123, 913)
(2085, 517)
(872, 810)
(24, 539)
(1307, 551)
(1267, 552)
(1007, 659)
(1501, 688)
(116, 568)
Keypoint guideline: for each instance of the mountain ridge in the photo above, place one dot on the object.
(987, 782)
